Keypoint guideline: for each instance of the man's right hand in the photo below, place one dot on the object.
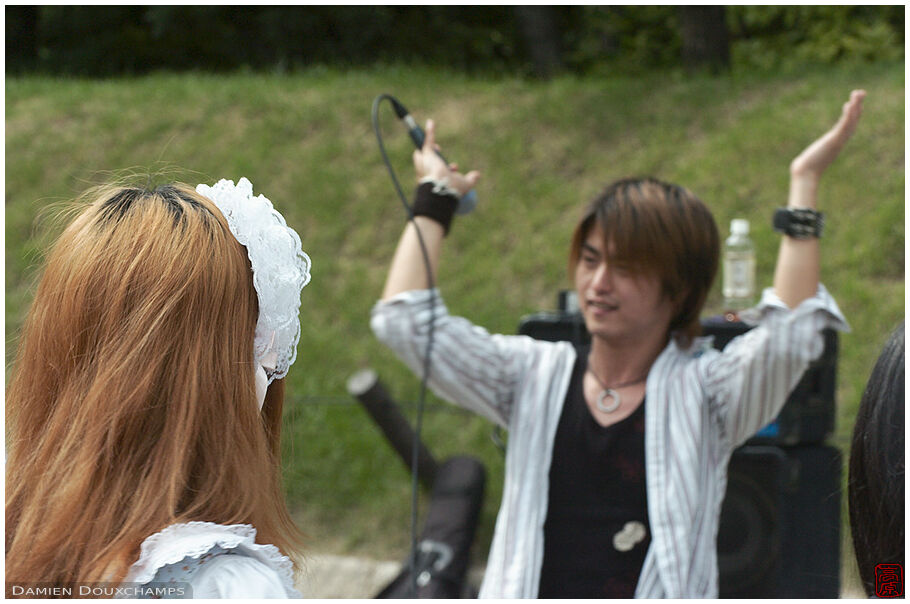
(427, 163)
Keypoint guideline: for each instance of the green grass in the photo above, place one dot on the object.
(544, 148)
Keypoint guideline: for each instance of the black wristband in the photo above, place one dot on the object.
(438, 207)
(799, 223)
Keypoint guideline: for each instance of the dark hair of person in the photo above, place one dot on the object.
(876, 475)
(662, 229)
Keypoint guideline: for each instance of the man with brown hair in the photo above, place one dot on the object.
(617, 454)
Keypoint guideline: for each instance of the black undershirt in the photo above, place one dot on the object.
(597, 486)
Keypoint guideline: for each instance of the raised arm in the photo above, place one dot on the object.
(796, 276)
(408, 271)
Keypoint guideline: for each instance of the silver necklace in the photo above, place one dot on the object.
(611, 392)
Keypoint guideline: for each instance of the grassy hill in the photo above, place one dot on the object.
(544, 148)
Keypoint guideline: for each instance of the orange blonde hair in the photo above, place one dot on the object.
(132, 401)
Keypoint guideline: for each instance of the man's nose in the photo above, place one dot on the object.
(603, 277)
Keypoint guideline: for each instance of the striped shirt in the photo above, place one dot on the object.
(702, 404)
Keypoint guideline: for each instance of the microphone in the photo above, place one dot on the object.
(468, 201)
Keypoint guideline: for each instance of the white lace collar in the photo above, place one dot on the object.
(194, 539)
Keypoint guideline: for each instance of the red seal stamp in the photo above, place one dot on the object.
(889, 580)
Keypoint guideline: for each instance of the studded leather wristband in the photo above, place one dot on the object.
(799, 223)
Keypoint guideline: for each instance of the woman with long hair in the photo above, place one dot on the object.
(143, 411)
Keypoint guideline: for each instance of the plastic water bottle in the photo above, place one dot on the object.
(739, 268)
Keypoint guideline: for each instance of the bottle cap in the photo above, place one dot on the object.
(739, 226)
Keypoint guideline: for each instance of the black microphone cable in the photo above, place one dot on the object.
(421, 398)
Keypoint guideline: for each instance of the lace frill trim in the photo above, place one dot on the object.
(193, 539)
(281, 269)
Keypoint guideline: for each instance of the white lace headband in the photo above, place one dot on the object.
(281, 269)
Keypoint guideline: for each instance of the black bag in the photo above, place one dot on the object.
(444, 546)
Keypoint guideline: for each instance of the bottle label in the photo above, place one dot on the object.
(739, 275)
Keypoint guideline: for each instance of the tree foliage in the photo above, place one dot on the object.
(113, 40)
(780, 36)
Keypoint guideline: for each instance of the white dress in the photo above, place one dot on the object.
(215, 561)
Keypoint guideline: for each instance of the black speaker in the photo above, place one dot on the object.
(555, 327)
(806, 417)
(779, 533)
